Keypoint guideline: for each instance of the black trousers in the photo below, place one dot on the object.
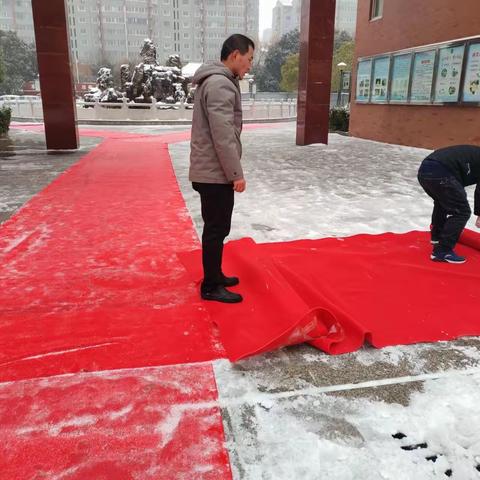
(217, 206)
(451, 209)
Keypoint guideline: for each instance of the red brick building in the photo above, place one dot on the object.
(417, 72)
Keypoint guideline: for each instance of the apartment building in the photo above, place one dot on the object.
(114, 30)
(286, 17)
(283, 20)
(16, 15)
(346, 16)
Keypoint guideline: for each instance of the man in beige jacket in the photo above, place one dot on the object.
(215, 168)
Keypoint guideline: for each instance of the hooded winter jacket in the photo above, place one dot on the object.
(464, 163)
(216, 126)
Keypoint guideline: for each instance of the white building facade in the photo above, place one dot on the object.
(283, 19)
(287, 13)
(16, 15)
(346, 16)
(113, 30)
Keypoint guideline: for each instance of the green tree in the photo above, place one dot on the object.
(19, 61)
(340, 38)
(269, 75)
(344, 54)
(289, 81)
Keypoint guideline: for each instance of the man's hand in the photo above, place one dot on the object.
(240, 185)
(477, 223)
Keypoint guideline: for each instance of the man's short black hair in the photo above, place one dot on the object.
(234, 42)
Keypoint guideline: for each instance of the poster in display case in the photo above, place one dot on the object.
(471, 86)
(381, 70)
(422, 78)
(447, 86)
(446, 73)
(364, 74)
(402, 65)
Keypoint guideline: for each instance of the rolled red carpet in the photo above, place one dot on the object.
(337, 293)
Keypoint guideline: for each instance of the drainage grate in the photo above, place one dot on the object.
(417, 446)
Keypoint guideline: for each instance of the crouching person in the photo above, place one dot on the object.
(444, 174)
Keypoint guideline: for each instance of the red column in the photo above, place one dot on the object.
(316, 52)
(53, 53)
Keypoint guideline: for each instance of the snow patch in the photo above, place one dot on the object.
(167, 427)
(332, 437)
(120, 413)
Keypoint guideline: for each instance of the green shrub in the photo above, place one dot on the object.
(339, 119)
(5, 116)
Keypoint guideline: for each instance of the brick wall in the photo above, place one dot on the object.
(407, 24)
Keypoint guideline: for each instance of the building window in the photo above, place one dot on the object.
(377, 9)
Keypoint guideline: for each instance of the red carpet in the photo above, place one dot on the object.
(339, 293)
(89, 277)
(149, 424)
(90, 281)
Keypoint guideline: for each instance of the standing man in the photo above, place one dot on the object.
(444, 174)
(215, 168)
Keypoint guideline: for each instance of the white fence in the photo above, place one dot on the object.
(99, 112)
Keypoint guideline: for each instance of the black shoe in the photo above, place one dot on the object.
(221, 294)
(230, 281)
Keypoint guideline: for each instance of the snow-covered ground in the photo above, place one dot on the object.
(26, 167)
(349, 186)
(354, 430)
(311, 436)
(300, 414)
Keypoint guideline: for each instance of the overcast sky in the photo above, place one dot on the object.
(266, 7)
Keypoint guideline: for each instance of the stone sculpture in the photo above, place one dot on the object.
(149, 53)
(149, 82)
(105, 90)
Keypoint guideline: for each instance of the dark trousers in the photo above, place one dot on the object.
(451, 209)
(217, 207)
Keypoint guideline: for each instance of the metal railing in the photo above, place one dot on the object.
(151, 112)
